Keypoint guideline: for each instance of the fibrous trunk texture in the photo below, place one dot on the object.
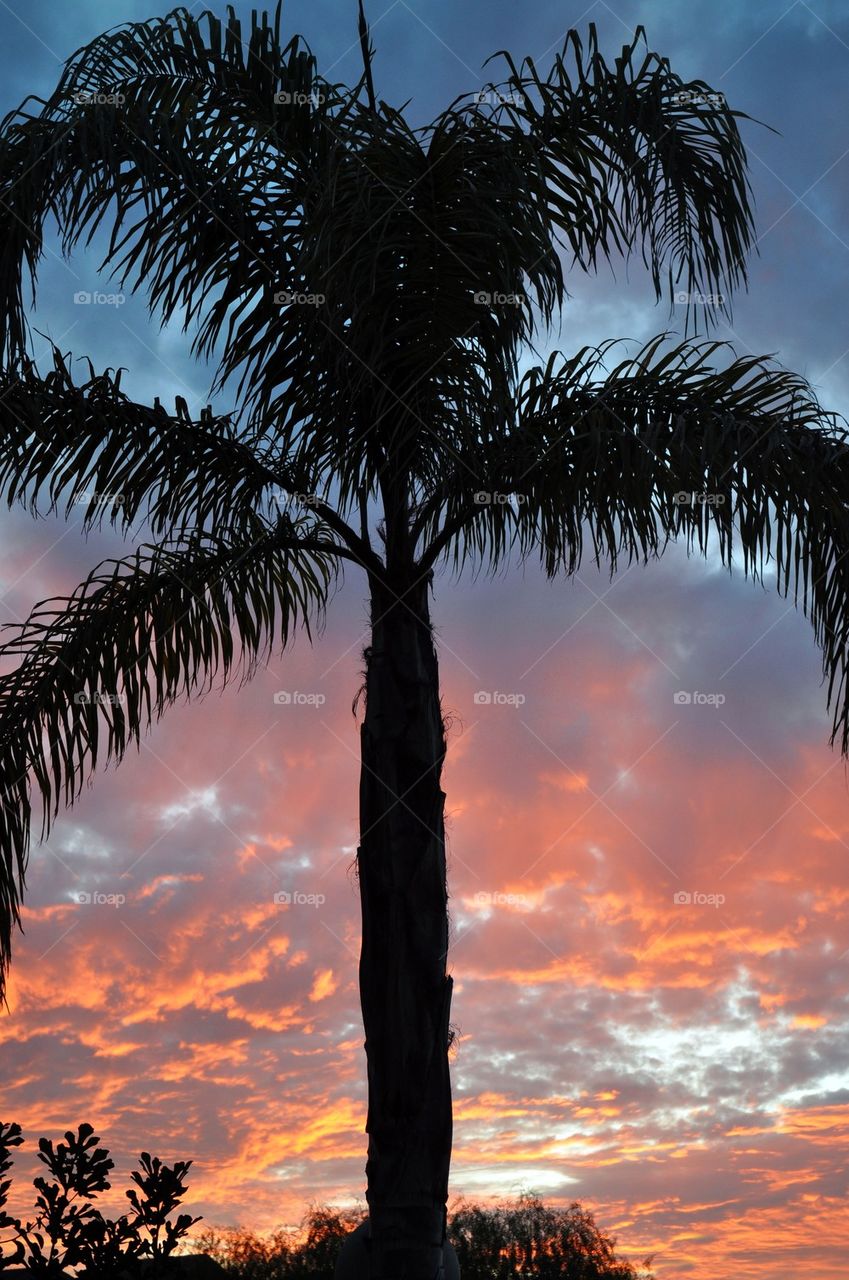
(405, 991)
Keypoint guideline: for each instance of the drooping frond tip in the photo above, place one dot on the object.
(94, 671)
(661, 158)
(666, 445)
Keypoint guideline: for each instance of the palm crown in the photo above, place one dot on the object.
(370, 289)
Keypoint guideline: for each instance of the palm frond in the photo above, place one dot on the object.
(87, 446)
(96, 670)
(633, 156)
(185, 138)
(667, 446)
(368, 54)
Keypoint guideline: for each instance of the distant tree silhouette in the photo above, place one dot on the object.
(530, 1240)
(326, 1231)
(370, 289)
(283, 1254)
(249, 1256)
(518, 1240)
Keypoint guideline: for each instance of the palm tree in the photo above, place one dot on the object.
(370, 289)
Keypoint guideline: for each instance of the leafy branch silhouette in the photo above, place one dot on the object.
(69, 1231)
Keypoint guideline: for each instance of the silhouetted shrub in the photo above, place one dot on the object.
(521, 1240)
(326, 1230)
(248, 1256)
(308, 1253)
(67, 1230)
(527, 1240)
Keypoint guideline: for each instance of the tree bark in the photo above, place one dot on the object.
(405, 991)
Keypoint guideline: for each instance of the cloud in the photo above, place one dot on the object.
(679, 1065)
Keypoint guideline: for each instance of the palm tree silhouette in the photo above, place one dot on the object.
(370, 288)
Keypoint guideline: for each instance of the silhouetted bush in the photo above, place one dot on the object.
(521, 1240)
(525, 1239)
(310, 1251)
(67, 1230)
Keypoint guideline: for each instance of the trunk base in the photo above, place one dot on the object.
(355, 1260)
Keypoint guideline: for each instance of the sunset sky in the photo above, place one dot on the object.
(681, 1067)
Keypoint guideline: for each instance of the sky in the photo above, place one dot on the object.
(649, 897)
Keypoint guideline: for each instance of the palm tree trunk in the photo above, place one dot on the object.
(404, 989)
